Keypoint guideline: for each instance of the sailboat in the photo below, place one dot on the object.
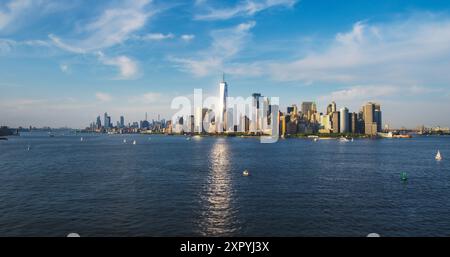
(28, 147)
(134, 142)
(438, 156)
(124, 141)
(81, 139)
(404, 176)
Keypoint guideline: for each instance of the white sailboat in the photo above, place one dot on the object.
(124, 141)
(438, 156)
(81, 139)
(134, 142)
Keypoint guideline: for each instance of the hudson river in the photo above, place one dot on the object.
(170, 186)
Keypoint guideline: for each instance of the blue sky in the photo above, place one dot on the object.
(62, 63)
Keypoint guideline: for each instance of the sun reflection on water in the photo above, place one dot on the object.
(218, 216)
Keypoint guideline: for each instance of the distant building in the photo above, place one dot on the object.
(344, 121)
(335, 122)
(372, 118)
(122, 122)
(222, 110)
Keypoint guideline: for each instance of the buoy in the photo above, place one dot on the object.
(403, 176)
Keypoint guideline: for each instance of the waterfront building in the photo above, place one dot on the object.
(335, 120)
(199, 115)
(353, 117)
(98, 123)
(372, 118)
(255, 119)
(344, 121)
(221, 114)
(107, 121)
(122, 122)
(282, 123)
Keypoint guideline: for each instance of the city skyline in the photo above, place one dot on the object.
(132, 57)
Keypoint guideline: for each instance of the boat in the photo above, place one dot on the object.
(124, 141)
(352, 139)
(28, 147)
(134, 142)
(404, 176)
(438, 156)
(343, 139)
(316, 139)
(50, 134)
(81, 139)
(3, 138)
(188, 138)
(246, 173)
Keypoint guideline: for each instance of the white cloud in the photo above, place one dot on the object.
(244, 8)
(187, 37)
(103, 97)
(128, 67)
(155, 37)
(13, 9)
(415, 51)
(226, 44)
(112, 27)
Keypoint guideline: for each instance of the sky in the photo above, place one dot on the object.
(63, 63)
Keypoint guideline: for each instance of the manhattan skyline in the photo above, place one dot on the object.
(64, 62)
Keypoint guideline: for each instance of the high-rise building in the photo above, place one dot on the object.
(353, 123)
(107, 121)
(223, 94)
(333, 106)
(98, 123)
(372, 118)
(335, 119)
(255, 119)
(122, 122)
(344, 121)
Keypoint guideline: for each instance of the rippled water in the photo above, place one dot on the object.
(170, 186)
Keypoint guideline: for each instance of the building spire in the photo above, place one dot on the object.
(223, 77)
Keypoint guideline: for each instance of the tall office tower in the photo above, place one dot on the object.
(267, 108)
(282, 122)
(255, 112)
(307, 109)
(223, 94)
(230, 120)
(122, 122)
(344, 128)
(333, 106)
(372, 118)
(329, 109)
(99, 122)
(198, 120)
(354, 123)
(335, 122)
(377, 117)
(106, 120)
(191, 123)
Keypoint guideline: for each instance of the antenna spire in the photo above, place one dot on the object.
(223, 76)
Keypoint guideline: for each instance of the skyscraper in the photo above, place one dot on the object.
(344, 120)
(372, 118)
(107, 121)
(99, 122)
(335, 122)
(223, 94)
(255, 119)
(122, 122)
